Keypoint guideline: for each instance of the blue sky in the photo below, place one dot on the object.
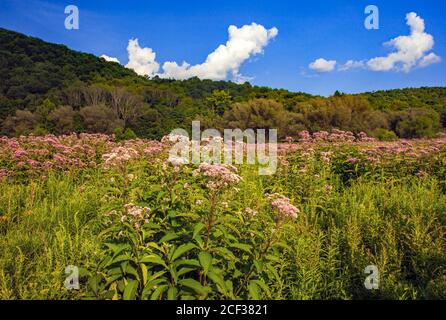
(190, 30)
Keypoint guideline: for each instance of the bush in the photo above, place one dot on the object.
(419, 123)
(121, 135)
(385, 135)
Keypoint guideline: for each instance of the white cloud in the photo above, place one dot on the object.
(110, 59)
(322, 65)
(142, 60)
(242, 44)
(351, 64)
(431, 58)
(410, 51)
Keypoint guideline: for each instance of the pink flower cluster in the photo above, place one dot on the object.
(174, 138)
(283, 206)
(119, 156)
(135, 215)
(219, 176)
(251, 213)
(153, 147)
(335, 135)
(32, 153)
(413, 148)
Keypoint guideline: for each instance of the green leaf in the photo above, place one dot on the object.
(218, 280)
(189, 262)
(117, 248)
(253, 291)
(153, 258)
(198, 227)
(183, 271)
(245, 247)
(168, 237)
(172, 293)
(144, 273)
(129, 270)
(120, 258)
(194, 285)
(153, 284)
(272, 270)
(263, 286)
(227, 254)
(158, 292)
(182, 250)
(130, 290)
(205, 261)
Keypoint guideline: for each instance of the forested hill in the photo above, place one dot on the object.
(46, 87)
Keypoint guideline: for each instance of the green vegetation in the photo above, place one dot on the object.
(143, 228)
(48, 88)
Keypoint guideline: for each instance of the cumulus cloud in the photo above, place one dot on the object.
(351, 64)
(242, 44)
(142, 60)
(410, 51)
(110, 59)
(321, 65)
(431, 58)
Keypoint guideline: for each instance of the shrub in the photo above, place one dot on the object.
(385, 135)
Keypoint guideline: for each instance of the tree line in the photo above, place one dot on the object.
(47, 88)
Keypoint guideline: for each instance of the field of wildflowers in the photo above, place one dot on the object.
(141, 226)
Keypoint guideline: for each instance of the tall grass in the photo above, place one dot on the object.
(397, 224)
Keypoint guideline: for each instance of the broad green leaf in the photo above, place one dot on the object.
(189, 262)
(227, 254)
(129, 270)
(205, 261)
(218, 280)
(130, 290)
(263, 286)
(183, 271)
(153, 258)
(253, 291)
(168, 237)
(245, 247)
(120, 258)
(272, 270)
(172, 293)
(152, 285)
(158, 292)
(182, 250)
(144, 273)
(194, 285)
(117, 248)
(198, 227)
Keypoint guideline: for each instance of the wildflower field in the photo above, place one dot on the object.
(139, 226)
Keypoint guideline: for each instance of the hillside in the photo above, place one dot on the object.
(46, 87)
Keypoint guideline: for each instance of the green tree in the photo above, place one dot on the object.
(219, 101)
(100, 119)
(257, 114)
(419, 123)
(22, 123)
(63, 119)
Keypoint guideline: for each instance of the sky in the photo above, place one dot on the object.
(311, 46)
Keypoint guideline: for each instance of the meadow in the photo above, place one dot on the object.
(139, 226)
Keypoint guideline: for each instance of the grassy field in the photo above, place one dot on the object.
(140, 227)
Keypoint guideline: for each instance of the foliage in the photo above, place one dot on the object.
(141, 227)
(40, 77)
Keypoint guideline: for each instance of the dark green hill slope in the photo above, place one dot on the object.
(47, 87)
